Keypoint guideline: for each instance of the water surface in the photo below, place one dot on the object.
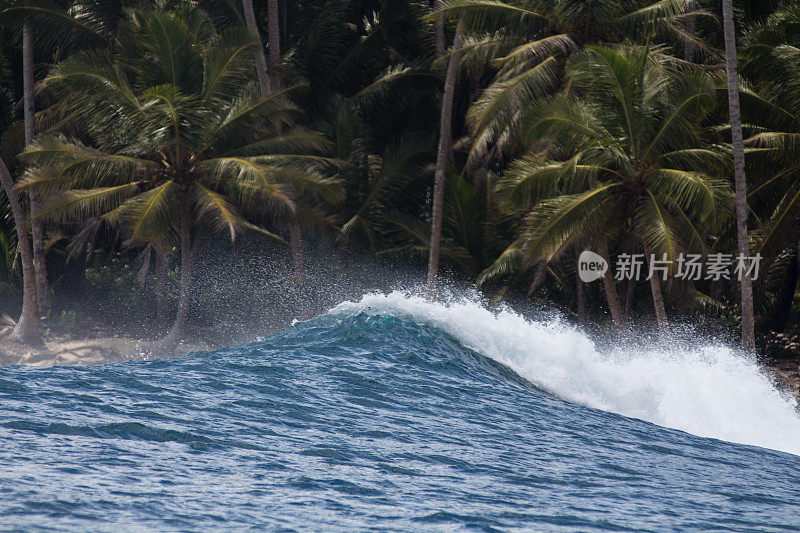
(398, 414)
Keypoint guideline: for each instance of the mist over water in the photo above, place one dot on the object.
(391, 412)
(255, 292)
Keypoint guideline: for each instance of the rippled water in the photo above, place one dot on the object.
(398, 414)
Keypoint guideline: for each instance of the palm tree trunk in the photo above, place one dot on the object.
(274, 31)
(439, 39)
(583, 304)
(658, 305)
(610, 286)
(37, 228)
(261, 60)
(187, 263)
(274, 37)
(445, 134)
(161, 290)
(658, 302)
(746, 285)
(27, 328)
(688, 52)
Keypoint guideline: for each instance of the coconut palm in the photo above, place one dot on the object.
(442, 156)
(622, 156)
(178, 137)
(56, 27)
(26, 329)
(771, 111)
(746, 284)
(296, 240)
(528, 40)
(37, 227)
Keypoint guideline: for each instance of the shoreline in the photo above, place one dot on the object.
(67, 351)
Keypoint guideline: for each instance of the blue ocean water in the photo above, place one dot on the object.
(385, 415)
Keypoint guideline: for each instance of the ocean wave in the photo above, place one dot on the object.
(704, 388)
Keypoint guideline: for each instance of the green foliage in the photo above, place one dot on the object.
(626, 154)
(175, 119)
(574, 122)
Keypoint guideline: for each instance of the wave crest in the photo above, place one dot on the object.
(707, 388)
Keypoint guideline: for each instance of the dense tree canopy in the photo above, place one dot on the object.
(574, 125)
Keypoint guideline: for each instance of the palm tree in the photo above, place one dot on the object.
(56, 28)
(37, 227)
(445, 142)
(771, 108)
(746, 284)
(27, 327)
(295, 235)
(624, 156)
(528, 40)
(274, 36)
(180, 138)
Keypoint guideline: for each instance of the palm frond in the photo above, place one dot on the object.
(58, 163)
(696, 192)
(538, 50)
(510, 261)
(530, 180)
(773, 235)
(488, 15)
(150, 216)
(79, 205)
(228, 65)
(656, 229)
(555, 222)
(216, 208)
(503, 103)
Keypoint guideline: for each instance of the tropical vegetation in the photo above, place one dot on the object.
(491, 140)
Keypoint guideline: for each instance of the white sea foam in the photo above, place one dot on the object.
(709, 389)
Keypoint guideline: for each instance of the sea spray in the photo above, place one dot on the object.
(705, 388)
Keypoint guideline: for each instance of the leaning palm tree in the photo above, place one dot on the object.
(56, 26)
(623, 156)
(27, 329)
(178, 136)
